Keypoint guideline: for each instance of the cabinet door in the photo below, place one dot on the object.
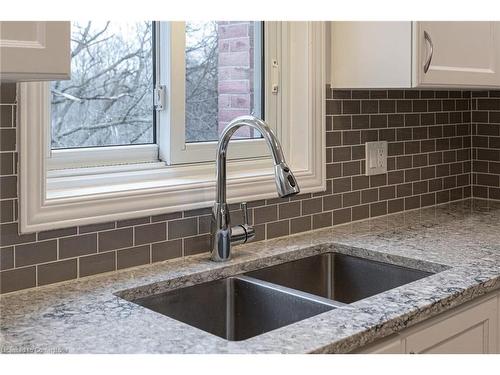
(34, 51)
(472, 331)
(463, 54)
(392, 345)
(370, 54)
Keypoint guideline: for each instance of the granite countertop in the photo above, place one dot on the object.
(460, 241)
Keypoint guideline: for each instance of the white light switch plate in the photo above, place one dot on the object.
(376, 158)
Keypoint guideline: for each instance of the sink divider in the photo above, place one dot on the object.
(291, 291)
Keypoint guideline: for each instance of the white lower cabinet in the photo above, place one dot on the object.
(392, 345)
(470, 329)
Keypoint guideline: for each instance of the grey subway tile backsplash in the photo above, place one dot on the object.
(55, 272)
(443, 145)
(182, 228)
(204, 222)
(7, 93)
(288, 210)
(6, 211)
(360, 212)
(312, 206)
(196, 244)
(166, 217)
(7, 163)
(341, 216)
(7, 139)
(35, 252)
(9, 234)
(132, 222)
(166, 250)
(150, 233)
(97, 263)
(265, 214)
(96, 227)
(9, 187)
(300, 224)
(133, 256)
(322, 220)
(278, 229)
(6, 258)
(6, 115)
(75, 246)
(17, 279)
(485, 148)
(55, 233)
(116, 239)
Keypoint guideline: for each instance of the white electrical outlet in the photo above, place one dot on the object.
(376, 158)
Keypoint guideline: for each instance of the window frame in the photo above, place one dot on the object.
(85, 157)
(52, 199)
(170, 146)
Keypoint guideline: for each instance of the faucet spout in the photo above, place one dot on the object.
(286, 184)
(223, 234)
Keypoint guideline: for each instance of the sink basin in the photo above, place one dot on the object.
(240, 307)
(339, 277)
(236, 308)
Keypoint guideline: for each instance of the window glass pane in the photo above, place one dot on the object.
(223, 77)
(108, 100)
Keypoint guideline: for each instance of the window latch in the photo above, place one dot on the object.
(159, 94)
(275, 86)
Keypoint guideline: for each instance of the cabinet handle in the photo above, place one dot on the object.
(429, 59)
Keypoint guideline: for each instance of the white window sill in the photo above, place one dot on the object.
(123, 192)
(88, 184)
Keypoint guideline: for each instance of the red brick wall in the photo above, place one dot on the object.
(235, 79)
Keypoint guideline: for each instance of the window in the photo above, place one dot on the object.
(140, 139)
(211, 72)
(109, 99)
(117, 67)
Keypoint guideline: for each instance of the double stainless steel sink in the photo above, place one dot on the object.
(239, 307)
(236, 308)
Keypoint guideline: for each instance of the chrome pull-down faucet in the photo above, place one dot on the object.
(223, 234)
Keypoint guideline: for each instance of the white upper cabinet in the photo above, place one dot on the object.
(463, 53)
(371, 54)
(415, 54)
(34, 51)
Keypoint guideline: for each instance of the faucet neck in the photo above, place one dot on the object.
(223, 234)
(231, 128)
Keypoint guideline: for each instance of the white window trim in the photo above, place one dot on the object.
(159, 189)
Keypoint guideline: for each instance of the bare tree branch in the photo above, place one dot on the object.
(109, 98)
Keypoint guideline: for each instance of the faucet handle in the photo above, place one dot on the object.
(244, 209)
(249, 230)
